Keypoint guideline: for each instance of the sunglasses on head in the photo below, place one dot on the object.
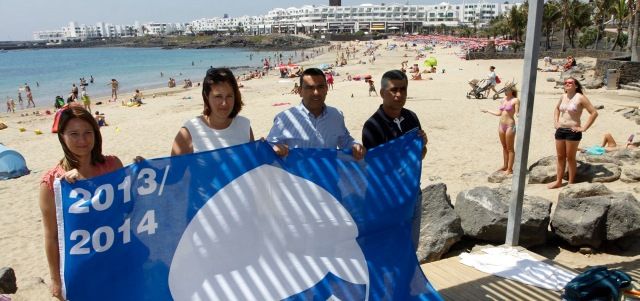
(569, 82)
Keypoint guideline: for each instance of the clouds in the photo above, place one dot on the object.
(257, 240)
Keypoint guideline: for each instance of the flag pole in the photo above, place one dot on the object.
(532, 49)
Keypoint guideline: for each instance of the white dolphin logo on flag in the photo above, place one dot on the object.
(267, 235)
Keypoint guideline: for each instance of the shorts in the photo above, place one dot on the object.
(568, 134)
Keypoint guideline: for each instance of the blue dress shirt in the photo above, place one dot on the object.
(298, 128)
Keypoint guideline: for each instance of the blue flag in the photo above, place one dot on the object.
(241, 223)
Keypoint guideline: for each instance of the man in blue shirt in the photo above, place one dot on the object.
(312, 124)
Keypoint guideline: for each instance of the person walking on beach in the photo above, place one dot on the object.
(219, 125)
(30, 101)
(81, 142)
(74, 92)
(86, 100)
(566, 117)
(330, 79)
(114, 89)
(372, 87)
(391, 121)
(20, 101)
(317, 125)
(507, 127)
(11, 105)
(491, 77)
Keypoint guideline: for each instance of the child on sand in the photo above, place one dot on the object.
(372, 88)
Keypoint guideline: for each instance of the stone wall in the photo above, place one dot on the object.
(629, 71)
(556, 54)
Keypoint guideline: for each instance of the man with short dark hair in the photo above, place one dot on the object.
(312, 124)
(391, 121)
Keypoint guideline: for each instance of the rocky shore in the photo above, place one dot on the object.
(266, 42)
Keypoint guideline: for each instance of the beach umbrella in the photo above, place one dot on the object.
(431, 62)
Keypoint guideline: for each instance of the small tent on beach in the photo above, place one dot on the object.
(12, 164)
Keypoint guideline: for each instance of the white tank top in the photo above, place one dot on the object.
(204, 138)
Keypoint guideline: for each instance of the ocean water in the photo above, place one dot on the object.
(51, 72)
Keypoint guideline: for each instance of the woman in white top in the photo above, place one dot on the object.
(566, 117)
(219, 125)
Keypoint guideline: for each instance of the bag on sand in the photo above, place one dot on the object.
(596, 283)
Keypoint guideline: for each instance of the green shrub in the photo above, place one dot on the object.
(587, 37)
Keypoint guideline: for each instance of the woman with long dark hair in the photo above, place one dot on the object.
(80, 138)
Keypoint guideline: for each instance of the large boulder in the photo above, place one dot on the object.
(8, 281)
(629, 156)
(623, 216)
(583, 190)
(630, 175)
(440, 226)
(581, 221)
(484, 212)
(534, 222)
(498, 177)
(543, 171)
(598, 159)
(592, 83)
(630, 113)
(473, 176)
(602, 173)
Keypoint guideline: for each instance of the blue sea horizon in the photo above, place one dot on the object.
(51, 72)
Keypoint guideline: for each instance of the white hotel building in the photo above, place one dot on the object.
(365, 17)
(305, 19)
(75, 32)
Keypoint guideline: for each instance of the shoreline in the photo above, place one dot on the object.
(261, 42)
(45, 101)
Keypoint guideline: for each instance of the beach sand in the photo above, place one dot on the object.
(462, 140)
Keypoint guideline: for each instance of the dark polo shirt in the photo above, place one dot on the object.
(381, 129)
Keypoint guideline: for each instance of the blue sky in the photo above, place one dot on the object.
(20, 18)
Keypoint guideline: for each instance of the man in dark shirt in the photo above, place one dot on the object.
(391, 121)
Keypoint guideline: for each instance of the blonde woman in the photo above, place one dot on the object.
(507, 112)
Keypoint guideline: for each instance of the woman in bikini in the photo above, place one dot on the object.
(507, 127)
(569, 130)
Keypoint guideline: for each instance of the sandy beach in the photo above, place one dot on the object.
(462, 140)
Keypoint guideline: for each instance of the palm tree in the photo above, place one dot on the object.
(565, 10)
(602, 12)
(631, 17)
(578, 19)
(550, 16)
(634, 39)
(516, 20)
(620, 12)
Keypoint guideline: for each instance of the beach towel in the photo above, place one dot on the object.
(516, 265)
(595, 150)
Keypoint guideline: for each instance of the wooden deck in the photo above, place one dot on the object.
(456, 281)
